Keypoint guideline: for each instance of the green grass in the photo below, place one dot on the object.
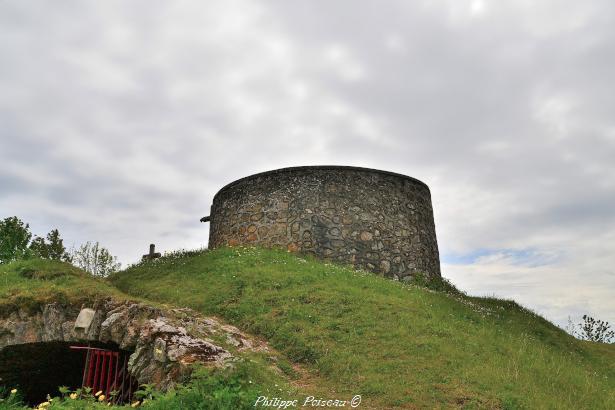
(356, 333)
(396, 345)
(29, 284)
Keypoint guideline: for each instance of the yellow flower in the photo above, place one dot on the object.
(43, 405)
(98, 393)
(13, 391)
(73, 396)
(135, 404)
(101, 397)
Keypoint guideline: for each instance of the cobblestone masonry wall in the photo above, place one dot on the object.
(376, 220)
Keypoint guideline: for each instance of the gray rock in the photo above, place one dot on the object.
(53, 318)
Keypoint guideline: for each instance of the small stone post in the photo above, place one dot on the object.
(152, 253)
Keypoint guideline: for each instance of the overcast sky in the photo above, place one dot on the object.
(119, 120)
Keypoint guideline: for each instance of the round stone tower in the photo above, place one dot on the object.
(376, 220)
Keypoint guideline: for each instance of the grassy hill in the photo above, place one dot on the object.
(343, 332)
(394, 344)
(28, 285)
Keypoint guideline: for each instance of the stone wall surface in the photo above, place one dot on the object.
(375, 220)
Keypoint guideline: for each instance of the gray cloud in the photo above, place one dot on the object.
(119, 121)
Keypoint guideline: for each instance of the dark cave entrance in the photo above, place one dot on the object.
(39, 369)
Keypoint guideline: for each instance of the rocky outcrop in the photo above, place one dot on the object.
(164, 342)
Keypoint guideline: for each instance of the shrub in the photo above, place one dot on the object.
(229, 388)
(94, 259)
(596, 330)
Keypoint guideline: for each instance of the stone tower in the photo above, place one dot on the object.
(375, 220)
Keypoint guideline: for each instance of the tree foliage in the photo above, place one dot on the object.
(95, 259)
(15, 244)
(38, 246)
(14, 238)
(52, 248)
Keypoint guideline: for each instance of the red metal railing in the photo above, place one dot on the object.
(107, 371)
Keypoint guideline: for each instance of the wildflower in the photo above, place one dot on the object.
(43, 405)
(98, 393)
(73, 396)
(13, 391)
(101, 397)
(135, 404)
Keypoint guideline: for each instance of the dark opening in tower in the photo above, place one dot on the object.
(39, 369)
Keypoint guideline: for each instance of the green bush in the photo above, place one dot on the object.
(219, 389)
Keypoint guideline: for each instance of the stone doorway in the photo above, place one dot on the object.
(39, 369)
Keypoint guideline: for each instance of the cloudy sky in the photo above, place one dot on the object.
(119, 120)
